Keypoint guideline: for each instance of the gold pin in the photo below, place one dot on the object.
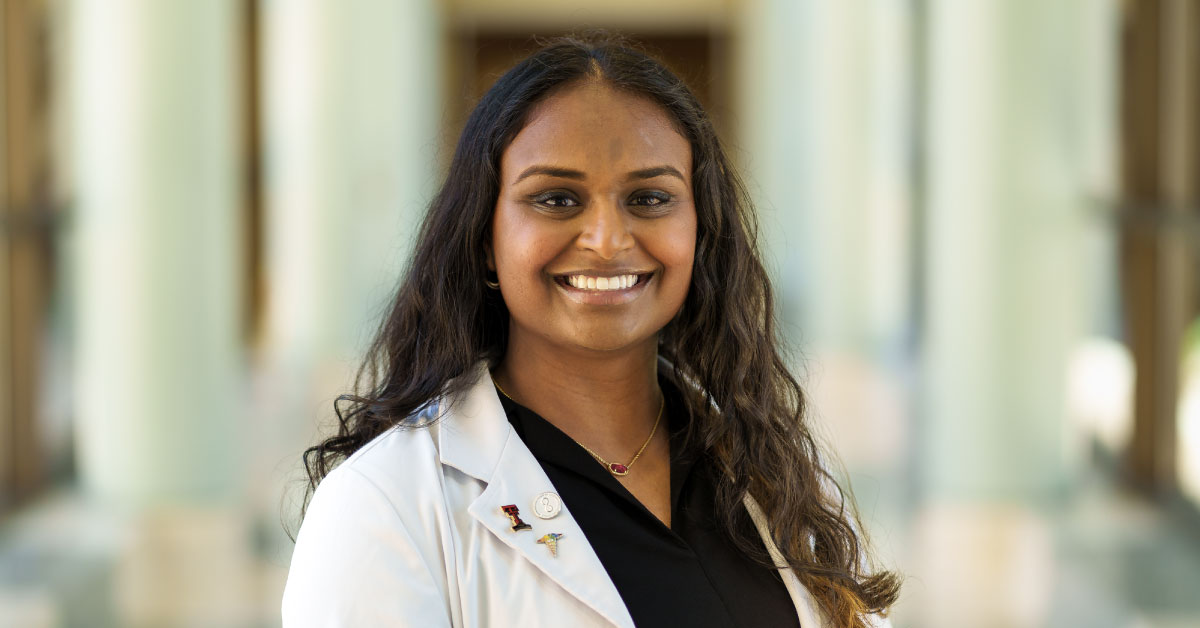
(514, 515)
(551, 541)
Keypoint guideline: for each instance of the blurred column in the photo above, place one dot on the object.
(825, 94)
(1011, 120)
(159, 370)
(824, 112)
(351, 113)
(351, 104)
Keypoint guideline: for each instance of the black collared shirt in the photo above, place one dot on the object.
(689, 574)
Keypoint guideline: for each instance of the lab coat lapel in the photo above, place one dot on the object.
(576, 567)
(806, 607)
(476, 438)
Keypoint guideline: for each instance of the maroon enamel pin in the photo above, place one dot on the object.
(514, 515)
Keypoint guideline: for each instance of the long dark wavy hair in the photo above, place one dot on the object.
(749, 417)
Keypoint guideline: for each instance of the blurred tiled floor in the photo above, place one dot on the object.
(66, 563)
(1097, 559)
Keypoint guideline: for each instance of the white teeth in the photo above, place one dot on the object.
(620, 282)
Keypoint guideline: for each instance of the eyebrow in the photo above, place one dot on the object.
(567, 173)
(550, 171)
(658, 171)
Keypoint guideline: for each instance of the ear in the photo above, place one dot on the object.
(491, 258)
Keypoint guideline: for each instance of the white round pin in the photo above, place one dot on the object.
(547, 505)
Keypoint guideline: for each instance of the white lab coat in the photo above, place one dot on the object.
(409, 532)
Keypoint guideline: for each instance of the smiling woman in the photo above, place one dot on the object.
(576, 412)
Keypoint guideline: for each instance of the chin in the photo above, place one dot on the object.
(605, 341)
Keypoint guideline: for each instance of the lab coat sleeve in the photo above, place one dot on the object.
(356, 564)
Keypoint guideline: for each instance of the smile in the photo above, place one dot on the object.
(594, 289)
(587, 282)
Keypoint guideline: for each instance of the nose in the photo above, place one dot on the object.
(605, 230)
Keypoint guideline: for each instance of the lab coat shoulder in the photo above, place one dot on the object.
(369, 554)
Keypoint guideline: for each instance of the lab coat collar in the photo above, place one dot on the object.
(472, 429)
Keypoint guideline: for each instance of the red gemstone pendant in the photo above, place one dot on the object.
(618, 468)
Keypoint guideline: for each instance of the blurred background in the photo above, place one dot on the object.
(983, 218)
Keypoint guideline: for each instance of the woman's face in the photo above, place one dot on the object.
(594, 231)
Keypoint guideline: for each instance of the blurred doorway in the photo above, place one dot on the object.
(1160, 228)
(480, 56)
(28, 215)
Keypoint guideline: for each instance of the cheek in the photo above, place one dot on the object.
(506, 240)
(520, 249)
(679, 248)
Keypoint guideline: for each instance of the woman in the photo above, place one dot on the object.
(576, 413)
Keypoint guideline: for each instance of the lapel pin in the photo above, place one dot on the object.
(551, 541)
(547, 505)
(514, 515)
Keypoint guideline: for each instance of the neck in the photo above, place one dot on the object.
(606, 400)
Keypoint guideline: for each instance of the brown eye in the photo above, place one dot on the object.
(556, 200)
(650, 199)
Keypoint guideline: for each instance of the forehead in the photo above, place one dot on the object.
(595, 128)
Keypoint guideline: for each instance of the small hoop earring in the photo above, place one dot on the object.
(494, 285)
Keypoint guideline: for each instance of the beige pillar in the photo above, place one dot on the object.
(155, 241)
(351, 109)
(823, 112)
(1012, 119)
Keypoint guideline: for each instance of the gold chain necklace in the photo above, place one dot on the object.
(614, 468)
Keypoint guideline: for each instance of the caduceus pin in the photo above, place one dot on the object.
(551, 541)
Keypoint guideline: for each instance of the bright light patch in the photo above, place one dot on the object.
(1100, 379)
(1187, 440)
